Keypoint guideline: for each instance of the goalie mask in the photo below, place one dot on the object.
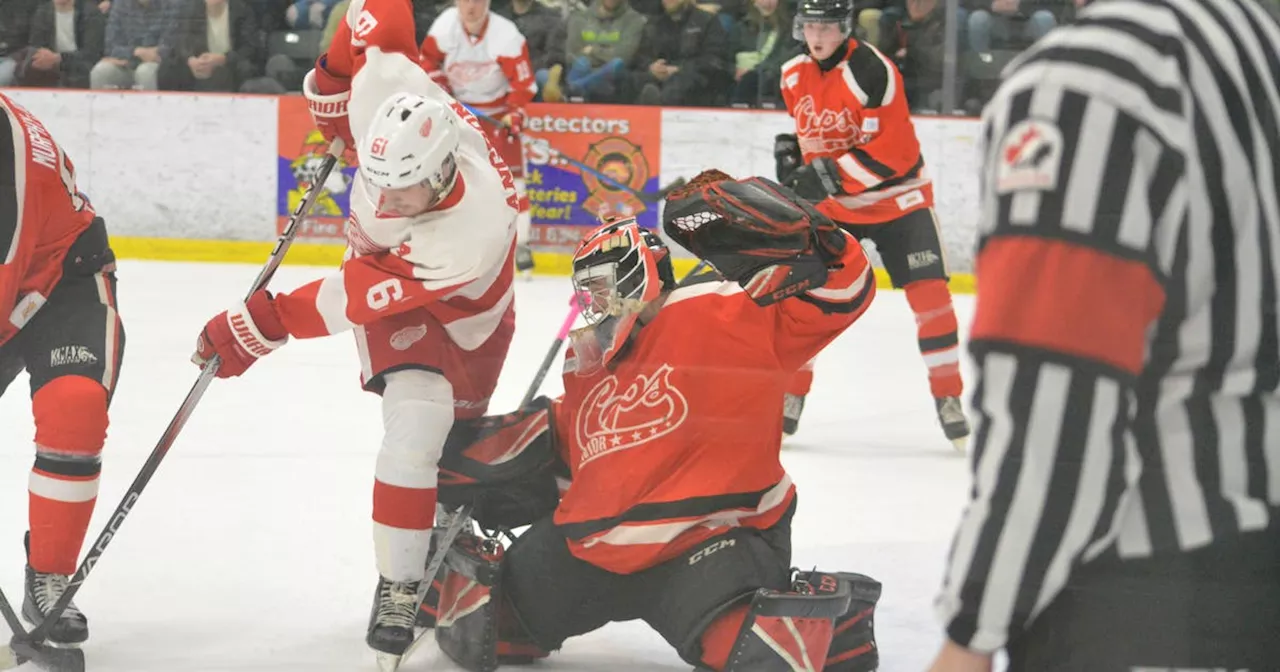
(618, 270)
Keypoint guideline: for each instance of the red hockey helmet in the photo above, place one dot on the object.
(618, 270)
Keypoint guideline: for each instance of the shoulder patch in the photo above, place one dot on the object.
(1029, 157)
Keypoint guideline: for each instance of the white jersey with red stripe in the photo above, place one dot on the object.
(490, 72)
(456, 257)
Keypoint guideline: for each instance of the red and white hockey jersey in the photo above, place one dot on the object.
(490, 72)
(455, 258)
(856, 113)
(41, 215)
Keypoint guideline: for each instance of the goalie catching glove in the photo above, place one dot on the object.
(754, 232)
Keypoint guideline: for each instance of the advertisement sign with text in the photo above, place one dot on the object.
(301, 151)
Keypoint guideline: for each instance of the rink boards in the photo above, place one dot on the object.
(199, 177)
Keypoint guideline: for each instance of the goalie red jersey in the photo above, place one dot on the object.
(39, 222)
(856, 114)
(660, 457)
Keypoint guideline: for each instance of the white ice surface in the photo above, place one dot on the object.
(251, 549)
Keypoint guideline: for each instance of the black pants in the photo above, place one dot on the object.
(1213, 608)
(558, 596)
(77, 331)
(909, 246)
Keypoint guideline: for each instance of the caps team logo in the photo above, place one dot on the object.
(613, 418)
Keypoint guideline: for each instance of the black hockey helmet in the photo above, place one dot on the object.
(823, 11)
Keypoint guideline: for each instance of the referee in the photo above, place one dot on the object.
(1125, 504)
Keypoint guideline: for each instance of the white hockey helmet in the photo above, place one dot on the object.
(412, 140)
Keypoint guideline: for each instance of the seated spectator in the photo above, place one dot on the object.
(270, 14)
(914, 37)
(600, 48)
(66, 40)
(309, 14)
(683, 58)
(336, 15)
(132, 56)
(1010, 23)
(15, 31)
(216, 45)
(867, 18)
(543, 29)
(764, 40)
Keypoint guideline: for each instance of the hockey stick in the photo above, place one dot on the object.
(31, 646)
(575, 305)
(649, 197)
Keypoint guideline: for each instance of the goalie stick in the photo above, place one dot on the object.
(30, 646)
(649, 197)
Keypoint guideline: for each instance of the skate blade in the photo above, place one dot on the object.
(47, 656)
(388, 662)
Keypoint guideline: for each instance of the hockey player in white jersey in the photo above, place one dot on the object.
(482, 60)
(426, 284)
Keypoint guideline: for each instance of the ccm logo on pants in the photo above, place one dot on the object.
(693, 559)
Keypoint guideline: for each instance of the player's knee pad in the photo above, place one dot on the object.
(814, 626)
(71, 418)
(417, 414)
(504, 466)
(475, 623)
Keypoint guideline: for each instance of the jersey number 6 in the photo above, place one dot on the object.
(382, 294)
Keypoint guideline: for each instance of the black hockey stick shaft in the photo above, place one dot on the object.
(645, 196)
(184, 412)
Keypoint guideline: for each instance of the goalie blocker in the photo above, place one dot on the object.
(731, 603)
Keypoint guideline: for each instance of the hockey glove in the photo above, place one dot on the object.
(786, 156)
(513, 121)
(755, 232)
(327, 98)
(818, 180)
(241, 336)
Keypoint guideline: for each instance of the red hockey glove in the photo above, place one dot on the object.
(818, 180)
(755, 232)
(241, 336)
(327, 98)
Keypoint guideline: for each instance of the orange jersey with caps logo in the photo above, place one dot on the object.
(856, 114)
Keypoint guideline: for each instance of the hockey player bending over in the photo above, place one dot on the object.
(855, 154)
(426, 285)
(58, 294)
(677, 510)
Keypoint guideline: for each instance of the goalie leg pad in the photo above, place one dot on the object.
(853, 642)
(475, 625)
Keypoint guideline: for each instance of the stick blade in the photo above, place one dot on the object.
(9, 659)
(46, 657)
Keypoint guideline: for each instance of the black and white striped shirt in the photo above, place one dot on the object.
(1126, 332)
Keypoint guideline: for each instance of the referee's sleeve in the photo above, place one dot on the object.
(1073, 185)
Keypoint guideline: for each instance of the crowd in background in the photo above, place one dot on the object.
(608, 51)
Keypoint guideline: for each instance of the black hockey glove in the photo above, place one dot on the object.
(755, 232)
(818, 180)
(786, 156)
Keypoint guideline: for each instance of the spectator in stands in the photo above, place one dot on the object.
(600, 48)
(867, 15)
(543, 29)
(216, 45)
(66, 40)
(1010, 23)
(270, 14)
(133, 53)
(336, 15)
(309, 14)
(683, 58)
(763, 41)
(15, 31)
(913, 34)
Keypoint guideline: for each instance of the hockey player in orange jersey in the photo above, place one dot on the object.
(482, 60)
(855, 154)
(677, 510)
(58, 295)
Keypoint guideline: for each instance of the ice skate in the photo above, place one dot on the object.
(792, 407)
(43, 591)
(954, 423)
(391, 621)
(524, 261)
